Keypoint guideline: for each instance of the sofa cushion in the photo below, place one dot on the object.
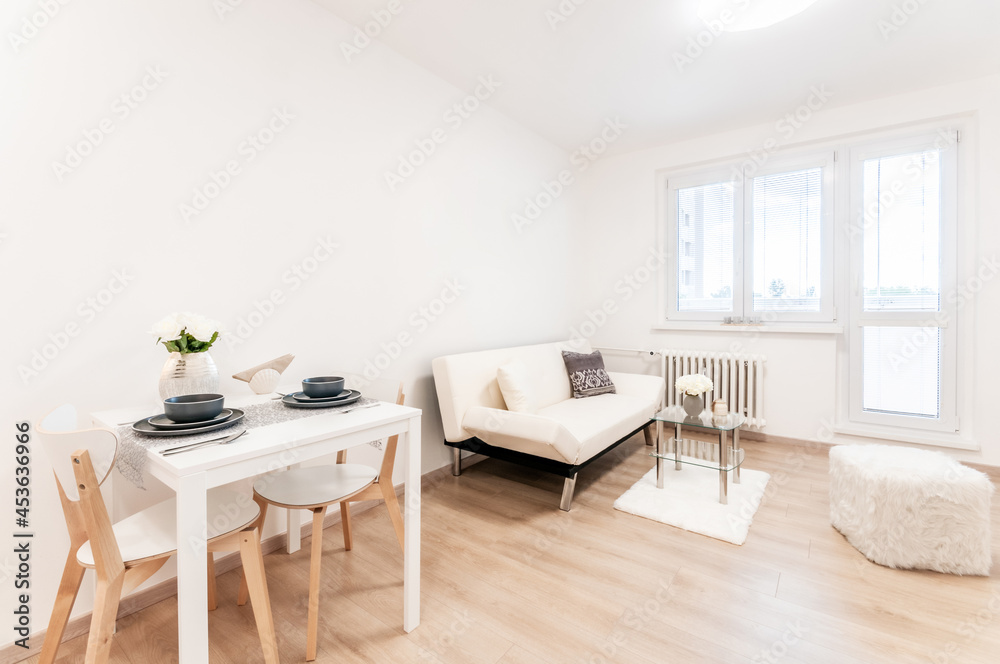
(522, 432)
(517, 386)
(598, 421)
(587, 375)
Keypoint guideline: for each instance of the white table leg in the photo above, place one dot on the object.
(293, 526)
(192, 572)
(411, 528)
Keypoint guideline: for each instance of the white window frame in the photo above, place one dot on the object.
(946, 319)
(740, 180)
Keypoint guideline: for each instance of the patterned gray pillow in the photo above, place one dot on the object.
(587, 374)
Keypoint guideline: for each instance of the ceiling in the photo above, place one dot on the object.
(608, 58)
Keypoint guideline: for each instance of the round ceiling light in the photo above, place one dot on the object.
(740, 15)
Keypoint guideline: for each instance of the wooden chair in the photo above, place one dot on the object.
(380, 490)
(127, 553)
(317, 487)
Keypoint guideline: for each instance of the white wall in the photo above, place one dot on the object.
(321, 177)
(615, 226)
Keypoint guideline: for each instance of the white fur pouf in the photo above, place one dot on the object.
(911, 509)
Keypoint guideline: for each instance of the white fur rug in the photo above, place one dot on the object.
(689, 499)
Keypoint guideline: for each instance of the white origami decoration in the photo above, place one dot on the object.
(263, 378)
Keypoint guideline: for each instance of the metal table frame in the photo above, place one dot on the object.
(676, 416)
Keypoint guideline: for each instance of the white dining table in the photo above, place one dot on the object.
(265, 449)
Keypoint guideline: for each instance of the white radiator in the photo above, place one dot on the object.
(738, 380)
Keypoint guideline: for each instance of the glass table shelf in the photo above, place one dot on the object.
(704, 453)
(720, 456)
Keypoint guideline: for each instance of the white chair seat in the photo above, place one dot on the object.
(314, 486)
(152, 533)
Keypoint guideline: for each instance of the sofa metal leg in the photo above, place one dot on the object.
(567, 495)
(456, 461)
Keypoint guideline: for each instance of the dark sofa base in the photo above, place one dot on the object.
(565, 470)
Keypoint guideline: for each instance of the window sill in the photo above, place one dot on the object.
(803, 328)
(934, 439)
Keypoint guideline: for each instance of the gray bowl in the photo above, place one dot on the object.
(323, 386)
(193, 407)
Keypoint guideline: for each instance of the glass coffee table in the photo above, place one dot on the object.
(706, 454)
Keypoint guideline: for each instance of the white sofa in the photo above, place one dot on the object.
(562, 434)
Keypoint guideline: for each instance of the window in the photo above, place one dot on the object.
(753, 243)
(761, 240)
(902, 342)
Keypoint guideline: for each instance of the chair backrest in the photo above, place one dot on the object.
(82, 460)
(384, 390)
(60, 437)
(389, 456)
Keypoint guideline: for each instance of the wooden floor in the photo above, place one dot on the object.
(510, 579)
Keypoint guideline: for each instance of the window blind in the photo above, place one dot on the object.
(787, 246)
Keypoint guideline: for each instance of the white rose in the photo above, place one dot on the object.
(693, 384)
(168, 329)
(186, 318)
(201, 328)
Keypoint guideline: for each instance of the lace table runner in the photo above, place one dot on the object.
(132, 447)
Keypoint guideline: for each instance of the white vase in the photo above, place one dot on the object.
(693, 404)
(189, 373)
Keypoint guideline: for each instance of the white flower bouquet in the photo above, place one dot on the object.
(693, 384)
(186, 332)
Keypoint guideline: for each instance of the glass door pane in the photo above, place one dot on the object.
(902, 232)
(902, 370)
